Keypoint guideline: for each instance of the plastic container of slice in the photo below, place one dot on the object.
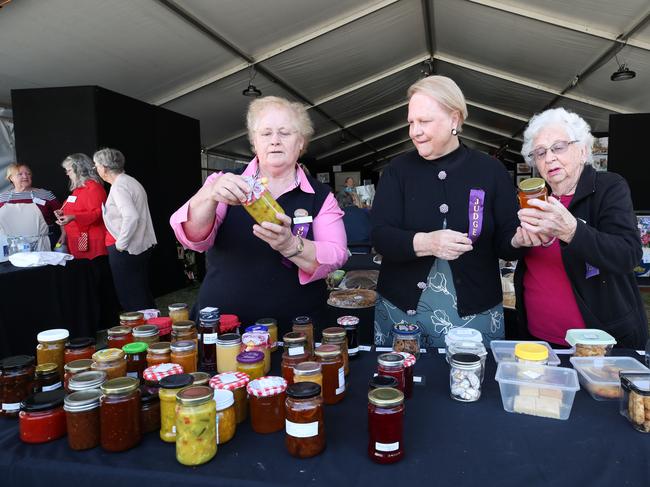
(504, 351)
(260, 204)
(590, 342)
(600, 375)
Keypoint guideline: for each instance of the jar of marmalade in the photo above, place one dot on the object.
(304, 425)
(184, 354)
(308, 372)
(51, 347)
(305, 325)
(119, 414)
(295, 352)
(531, 188)
(79, 348)
(336, 335)
(132, 319)
(159, 353)
(266, 403)
(329, 356)
(118, 336)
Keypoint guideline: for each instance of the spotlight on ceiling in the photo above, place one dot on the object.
(622, 73)
(251, 90)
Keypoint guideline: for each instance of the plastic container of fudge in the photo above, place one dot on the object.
(600, 375)
(550, 394)
(504, 351)
(635, 401)
(590, 342)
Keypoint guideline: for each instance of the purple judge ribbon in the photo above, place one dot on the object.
(300, 229)
(476, 203)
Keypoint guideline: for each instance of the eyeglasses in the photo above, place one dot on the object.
(558, 148)
(282, 133)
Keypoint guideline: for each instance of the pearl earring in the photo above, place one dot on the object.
(454, 131)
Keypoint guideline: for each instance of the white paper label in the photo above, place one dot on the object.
(423, 350)
(71, 199)
(279, 344)
(365, 348)
(386, 446)
(353, 350)
(417, 378)
(442, 350)
(342, 377)
(10, 406)
(38, 201)
(227, 378)
(296, 351)
(301, 430)
(216, 425)
(174, 428)
(531, 374)
(383, 349)
(302, 219)
(53, 387)
(128, 374)
(210, 338)
(340, 390)
(317, 344)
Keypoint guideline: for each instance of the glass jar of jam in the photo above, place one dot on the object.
(228, 347)
(350, 324)
(149, 411)
(111, 361)
(119, 414)
(73, 368)
(184, 354)
(79, 348)
(118, 336)
(271, 325)
(208, 332)
(406, 338)
(308, 372)
(82, 419)
(409, 364)
(179, 312)
(164, 325)
(335, 335)
(226, 417)
(382, 381)
(200, 378)
(531, 188)
(329, 356)
(159, 353)
(229, 324)
(47, 378)
(251, 363)
(258, 341)
(294, 353)
(305, 325)
(385, 425)
(136, 359)
(235, 382)
(42, 418)
(146, 333)
(266, 403)
(392, 365)
(304, 425)
(132, 319)
(16, 382)
(169, 387)
(88, 380)
(464, 377)
(196, 426)
(184, 330)
(51, 347)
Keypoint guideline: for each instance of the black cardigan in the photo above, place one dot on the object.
(408, 201)
(606, 237)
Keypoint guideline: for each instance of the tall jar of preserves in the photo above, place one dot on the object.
(329, 357)
(82, 419)
(136, 359)
(146, 333)
(79, 348)
(118, 336)
(335, 335)
(208, 333)
(226, 417)
(88, 380)
(184, 354)
(119, 414)
(305, 325)
(184, 330)
(51, 347)
(266, 403)
(16, 382)
(132, 319)
(111, 361)
(169, 387)
(179, 312)
(235, 382)
(385, 425)
(73, 368)
(272, 327)
(295, 352)
(196, 426)
(258, 341)
(406, 338)
(228, 347)
(392, 365)
(47, 378)
(251, 363)
(409, 364)
(41, 417)
(308, 372)
(351, 326)
(304, 424)
(159, 353)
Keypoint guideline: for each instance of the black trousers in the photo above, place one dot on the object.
(131, 279)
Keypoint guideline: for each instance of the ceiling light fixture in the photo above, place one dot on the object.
(251, 90)
(623, 72)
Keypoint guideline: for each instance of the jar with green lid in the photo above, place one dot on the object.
(132, 319)
(136, 359)
(146, 333)
(84, 381)
(119, 414)
(531, 188)
(73, 368)
(111, 361)
(179, 312)
(47, 378)
(196, 426)
(336, 335)
(169, 387)
(82, 419)
(226, 418)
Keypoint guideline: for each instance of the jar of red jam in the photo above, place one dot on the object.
(392, 365)
(295, 352)
(118, 336)
(159, 353)
(266, 403)
(304, 424)
(132, 319)
(351, 326)
(385, 425)
(119, 414)
(79, 348)
(164, 325)
(73, 368)
(146, 333)
(82, 419)
(84, 381)
(42, 418)
(47, 378)
(333, 371)
(409, 364)
(16, 382)
(136, 359)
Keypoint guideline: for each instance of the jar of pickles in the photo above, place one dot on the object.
(179, 312)
(266, 402)
(51, 347)
(294, 354)
(350, 324)
(47, 378)
(226, 417)
(73, 368)
(251, 363)
(207, 334)
(111, 361)
(136, 359)
(308, 372)
(119, 414)
(228, 347)
(184, 330)
(159, 353)
(305, 325)
(146, 333)
(169, 387)
(406, 338)
(409, 363)
(259, 203)
(131, 319)
(79, 348)
(271, 325)
(335, 335)
(184, 354)
(196, 426)
(329, 356)
(304, 424)
(41, 417)
(235, 382)
(16, 382)
(385, 425)
(530, 188)
(258, 341)
(392, 365)
(118, 336)
(164, 325)
(85, 381)
(82, 419)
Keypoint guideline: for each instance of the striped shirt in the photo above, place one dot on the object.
(42, 198)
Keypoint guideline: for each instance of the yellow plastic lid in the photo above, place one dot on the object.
(531, 351)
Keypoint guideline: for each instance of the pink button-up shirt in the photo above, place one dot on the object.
(329, 233)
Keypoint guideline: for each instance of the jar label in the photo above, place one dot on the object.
(340, 390)
(210, 338)
(132, 374)
(10, 406)
(52, 387)
(386, 446)
(174, 429)
(301, 430)
(216, 425)
(342, 378)
(353, 350)
(296, 351)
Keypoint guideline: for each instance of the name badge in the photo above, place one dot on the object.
(302, 219)
(71, 199)
(38, 201)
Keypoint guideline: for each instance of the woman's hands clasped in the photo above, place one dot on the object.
(443, 244)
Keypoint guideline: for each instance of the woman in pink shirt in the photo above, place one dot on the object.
(268, 269)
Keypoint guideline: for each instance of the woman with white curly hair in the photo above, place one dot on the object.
(584, 240)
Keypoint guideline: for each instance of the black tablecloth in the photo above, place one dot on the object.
(446, 442)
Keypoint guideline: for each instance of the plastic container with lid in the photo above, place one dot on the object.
(392, 365)
(84, 381)
(350, 324)
(169, 387)
(533, 356)
(82, 419)
(409, 365)
(308, 372)
(590, 342)
(73, 368)
(178, 312)
(530, 188)
(226, 416)
(195, 426)
(267, 403)
(146, 333)
(635, 401)
(600, 375)
(329, 356)
(549, 395)
(463, 334)
(42, 418)
(382, 381)
(47, 378)
(385, 425)
(476, 348)
(251, 363)
(336, 335)
(16, 382)
(184, 353)
(504, 351)
(271, 325)
(111, 361)
(132, 319)
(119, 414)
(79, 348)
(304, 422)
(159, 353)
(136, 359)
(208, 331)
(118, 336)
(305, 325)
(464, 377)
(164, 325)
(51, 347)
(406, 338)
(259, 341)
(228, 347)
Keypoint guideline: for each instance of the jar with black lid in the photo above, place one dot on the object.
(78, 349)
(42, 418)
(304, 425)
(149, 411)
(16, 382)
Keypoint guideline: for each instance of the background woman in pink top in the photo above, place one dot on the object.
(585, 242)
(266, 270)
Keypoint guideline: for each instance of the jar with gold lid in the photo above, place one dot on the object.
(336, 335)
(179, 312)
(531, 188)
(110, 360)
(132, 319)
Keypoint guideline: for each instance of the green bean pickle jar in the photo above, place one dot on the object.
(196, 427)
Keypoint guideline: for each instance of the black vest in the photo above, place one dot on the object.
(246, 276)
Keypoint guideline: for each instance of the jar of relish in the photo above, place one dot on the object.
(329, 356)
(351, 324)
(82, 419)
(42, 418)
(266, 402)
(51, 347)
(304, 423)
(305, 325)
(136, 359)
(392, 365)
(79, 348)
(169, 387)
(16, 382)
(119, 414)
(47, 378)
(336, 335)
(131, 319)
(73, 368)
(385, 425)
(159, 353)
(118, 336)
(111, 361)
(196, 426)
